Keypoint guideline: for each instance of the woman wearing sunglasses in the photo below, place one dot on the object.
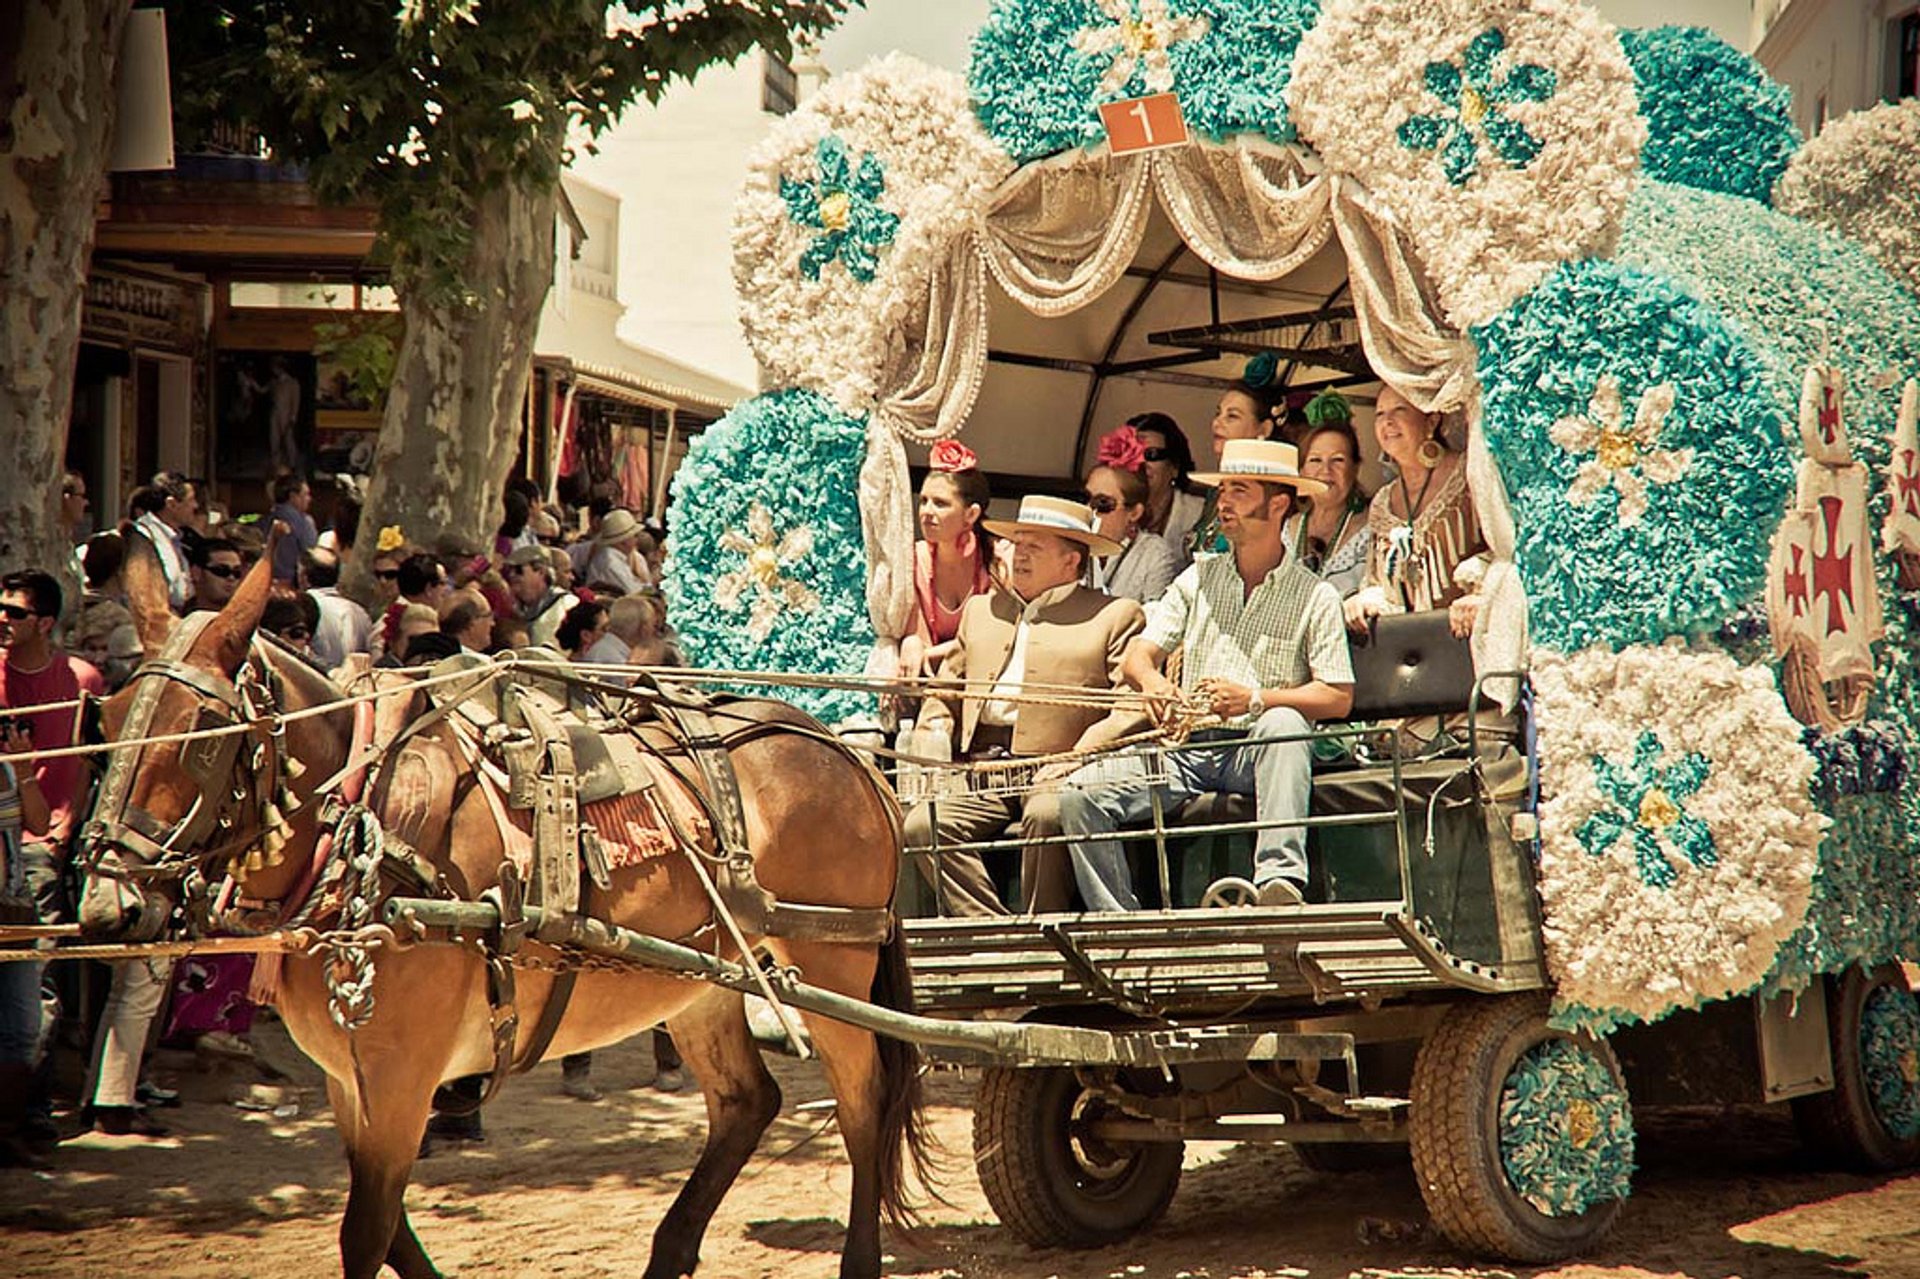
(1173, 505)
(1117, 491)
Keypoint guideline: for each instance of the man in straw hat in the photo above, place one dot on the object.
(612, 560)
(1047, 630)
(1265, 648)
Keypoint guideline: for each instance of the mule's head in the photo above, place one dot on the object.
(166, 811)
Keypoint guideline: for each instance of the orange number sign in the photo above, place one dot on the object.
(1144, 124)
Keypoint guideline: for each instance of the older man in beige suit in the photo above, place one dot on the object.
(1046, 630)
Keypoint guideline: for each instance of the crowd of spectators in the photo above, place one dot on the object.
(580, 579)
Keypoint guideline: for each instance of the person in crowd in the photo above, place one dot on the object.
(76, 508)
(509, 634)
(160, 511)
(632, 630)
(611, 563)
(23, 811)
(653, 549)
(1248, 410)
(292, 501)
(1145, 564)
(953, 561)
(423, 580)
(545, 529)
(1046, 628)
(103, 633)
(1264, 648)
(344, 528)
(344, 626)
(583, 627)
(539, 603)
(513, 532)
(429, 647)
(560, 562)
(410, 622)
(1174, 503)
(469, 624)
(1427, 551)
(292, 619)
(215, 573)
(1331, 536)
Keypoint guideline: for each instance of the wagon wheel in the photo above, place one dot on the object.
(1871, 1117)
(1522, 1134)
(1231, 891)
(1051, 1182)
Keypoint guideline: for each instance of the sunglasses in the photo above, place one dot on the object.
(387, 574)
(295, 633)
(1157, 454)
(227, 571)
(1103, 503)
(17, 612)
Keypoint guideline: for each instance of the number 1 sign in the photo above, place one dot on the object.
(1144, 124)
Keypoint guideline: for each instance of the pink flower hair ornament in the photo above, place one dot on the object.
(951, 456)
(1123, 450)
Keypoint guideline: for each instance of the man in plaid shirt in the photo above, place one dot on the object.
(1265, 646)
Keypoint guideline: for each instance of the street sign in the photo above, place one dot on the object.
(1144, 124)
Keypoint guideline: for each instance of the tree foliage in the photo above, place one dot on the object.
(423, 106)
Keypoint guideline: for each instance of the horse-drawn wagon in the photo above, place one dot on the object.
(1674, 854)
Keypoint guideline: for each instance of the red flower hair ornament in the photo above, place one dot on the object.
(951, 456)
(1123, 450)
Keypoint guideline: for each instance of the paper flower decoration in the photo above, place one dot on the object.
(1566, 1130)
(1890, 1057)
(1857, 178)
(390, 539)
(843, 204)
(1624, 458)
(1715, 119)
(1123, 449)
(1647, 809)
(1502, 137)
(850, 206)
(951, 456)
(1042, 68)
(1678, 842)
(763, 576)
(766, 569)
(1137, 42)
(1475, 99)
(1629, 535)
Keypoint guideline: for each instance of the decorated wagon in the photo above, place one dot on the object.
(1683, 349)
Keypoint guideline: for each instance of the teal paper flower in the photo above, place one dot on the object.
(1890, 1056)
(766, 567)
(1474, 93)
(843, 204)
(1566, 1130)
(1646, 806)
(1042, 68)
(1715, 119)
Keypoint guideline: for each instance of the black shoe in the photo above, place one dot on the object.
(152, 1095)
(127, 1121)
(457, 1128)
(17, 1152)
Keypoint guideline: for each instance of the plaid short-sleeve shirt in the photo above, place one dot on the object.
(1288, 631)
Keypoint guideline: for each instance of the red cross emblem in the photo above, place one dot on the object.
(1909, 481)
(1833, 568)
(1795, 581)
(1829, 413)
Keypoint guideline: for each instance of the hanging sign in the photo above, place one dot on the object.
(1900, 535)
(1144, 124)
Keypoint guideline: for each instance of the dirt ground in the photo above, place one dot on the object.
(570, 1188)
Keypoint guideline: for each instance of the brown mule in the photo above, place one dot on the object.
(820, 831)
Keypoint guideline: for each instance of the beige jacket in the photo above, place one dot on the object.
(1077, 640)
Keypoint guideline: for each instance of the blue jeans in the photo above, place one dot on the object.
(1105, 795)
(19, 1012)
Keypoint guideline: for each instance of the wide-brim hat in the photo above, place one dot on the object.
(1056, 515)
(532, 553)
(1267, 461)
(619, 525)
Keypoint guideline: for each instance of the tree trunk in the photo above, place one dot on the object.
(56, 120)
(453, 418)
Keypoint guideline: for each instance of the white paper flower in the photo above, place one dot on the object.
(1625, 458)
(1502, 135)
(1678, 839)
(768, 554)
(1142, 33)
(1858, 177)
(849, 206)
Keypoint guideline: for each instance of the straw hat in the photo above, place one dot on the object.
(1058, 516)
(1268, 461)
(618, 526)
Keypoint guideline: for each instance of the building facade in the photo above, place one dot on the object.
(1838, 55)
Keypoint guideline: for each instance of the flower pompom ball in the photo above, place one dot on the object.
(1716, 120)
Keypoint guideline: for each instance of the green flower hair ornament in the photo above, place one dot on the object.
(1329, 408)
(1476, 98)
(843, 204)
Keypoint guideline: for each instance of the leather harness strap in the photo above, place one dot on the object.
(541, 1037)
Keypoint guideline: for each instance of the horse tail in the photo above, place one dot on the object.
(906, 1144)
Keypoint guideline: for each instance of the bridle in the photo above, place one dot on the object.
(124, 841)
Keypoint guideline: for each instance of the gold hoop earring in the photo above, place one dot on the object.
(1431, 452)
